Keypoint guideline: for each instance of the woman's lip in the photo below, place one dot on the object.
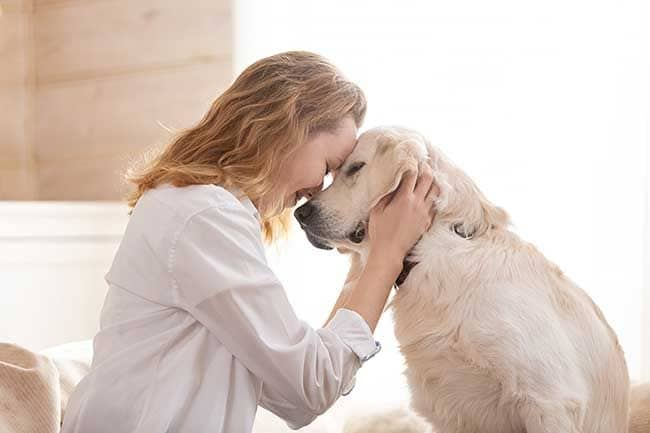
(295, 200)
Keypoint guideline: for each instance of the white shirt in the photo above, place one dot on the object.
(196, 330)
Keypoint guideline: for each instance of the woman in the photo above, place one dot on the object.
(196, 330)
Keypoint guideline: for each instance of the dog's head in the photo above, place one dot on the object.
(337, 217)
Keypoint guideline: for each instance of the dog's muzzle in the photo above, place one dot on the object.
(359, 233)
(316, 241)
(305, 215)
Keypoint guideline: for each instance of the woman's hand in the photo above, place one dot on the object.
(399, 219)
(395, 224)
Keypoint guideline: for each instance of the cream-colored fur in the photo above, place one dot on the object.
(495, 337)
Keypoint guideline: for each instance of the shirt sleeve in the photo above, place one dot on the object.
(342, 320)
(220, 275)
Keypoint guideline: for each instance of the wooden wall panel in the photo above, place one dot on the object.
(90, 179)
(17, 168)
(83, 39)
(18, 182)
(103, 117)
(109, 73)
(15, 109)
(86, 84)
(14, 42)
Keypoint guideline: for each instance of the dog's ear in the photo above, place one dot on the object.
(396, 156)
(462, 202)
(492, 216)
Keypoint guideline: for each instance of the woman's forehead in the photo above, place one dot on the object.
(337, 145)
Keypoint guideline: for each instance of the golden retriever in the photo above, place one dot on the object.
(495, 337)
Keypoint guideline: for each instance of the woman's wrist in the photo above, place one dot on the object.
(370, 292)
(384, 260)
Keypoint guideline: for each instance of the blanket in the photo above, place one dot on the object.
(34, 389)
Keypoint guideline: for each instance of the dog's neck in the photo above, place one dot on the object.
(407, 265)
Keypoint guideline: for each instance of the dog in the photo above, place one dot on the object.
(495, 337)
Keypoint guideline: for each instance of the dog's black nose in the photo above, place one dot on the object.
(304, 213)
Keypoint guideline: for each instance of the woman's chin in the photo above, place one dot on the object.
(290, 201)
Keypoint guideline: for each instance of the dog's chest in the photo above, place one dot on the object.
(432, 305)
(427, 312)
(440, 369)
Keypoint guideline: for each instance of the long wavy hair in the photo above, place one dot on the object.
(244, 140)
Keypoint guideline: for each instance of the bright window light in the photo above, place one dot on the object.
(544, 104)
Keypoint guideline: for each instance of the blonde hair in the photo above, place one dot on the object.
(252, 128)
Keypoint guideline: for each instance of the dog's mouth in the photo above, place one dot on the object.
(355, 236)
(359, 233)
(317, 241)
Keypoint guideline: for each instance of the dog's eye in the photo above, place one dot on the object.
(355, 168)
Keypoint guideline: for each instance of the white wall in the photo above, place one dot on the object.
(53, 258)
(544, 104)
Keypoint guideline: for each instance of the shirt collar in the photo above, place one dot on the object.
(243, 198)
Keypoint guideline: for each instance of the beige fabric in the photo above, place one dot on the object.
(35, 387)
(398, 420)
(640, 408)
(30, 400)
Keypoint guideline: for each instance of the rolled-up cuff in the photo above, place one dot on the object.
(355, 333)
(349, 387)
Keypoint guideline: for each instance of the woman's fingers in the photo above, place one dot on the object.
(425, 180)
(405, 186)
(434, 192)
(419, 183)
(409, 180)
(400, 218)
